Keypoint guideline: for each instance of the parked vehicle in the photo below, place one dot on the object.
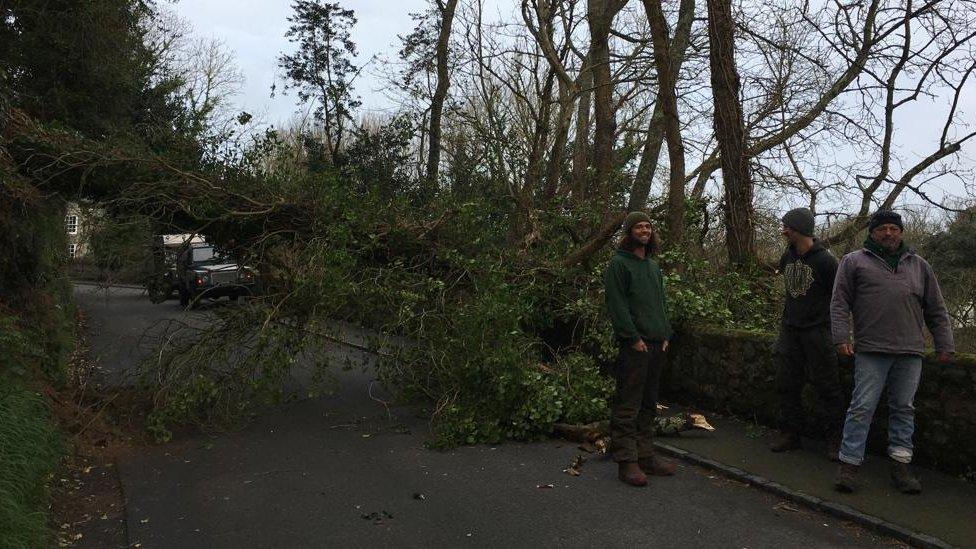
(204, 272)
(163, 282)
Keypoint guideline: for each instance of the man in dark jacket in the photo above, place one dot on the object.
(803, 351)
(892, 294)
(638, 311)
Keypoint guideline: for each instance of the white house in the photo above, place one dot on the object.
(78, 222)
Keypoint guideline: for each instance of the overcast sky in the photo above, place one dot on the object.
(254, 30)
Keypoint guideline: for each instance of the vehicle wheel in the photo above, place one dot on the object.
(184, 297)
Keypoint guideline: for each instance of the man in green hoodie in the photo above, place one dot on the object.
(638, 311)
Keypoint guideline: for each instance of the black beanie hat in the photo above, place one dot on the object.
(800, 220)
(634, 218)
(881, 217)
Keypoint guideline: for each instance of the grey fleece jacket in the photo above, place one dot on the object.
(890, 306)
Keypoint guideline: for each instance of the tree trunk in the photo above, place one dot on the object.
(420, 150)
(867, 40)
(611, 224)
(667, 99)
(539, 139)
(641, 188)
(440, 94)
(652, 146)
(554, 168)
(600, 14)
(581, 147)
(730, 134)
(655, 132)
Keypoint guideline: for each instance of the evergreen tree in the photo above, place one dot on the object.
(321, 70)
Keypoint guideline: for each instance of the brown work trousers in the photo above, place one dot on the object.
(638, 377)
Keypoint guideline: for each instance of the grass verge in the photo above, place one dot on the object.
(30, 447)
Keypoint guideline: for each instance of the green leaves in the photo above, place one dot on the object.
(320, 69)
(704, 294)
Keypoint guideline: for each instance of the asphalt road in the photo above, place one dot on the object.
(345, 470)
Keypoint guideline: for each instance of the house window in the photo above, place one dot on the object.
(72, 250)
(72, 223)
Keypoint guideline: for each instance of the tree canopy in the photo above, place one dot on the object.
(480, 214)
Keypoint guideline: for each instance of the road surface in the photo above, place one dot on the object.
(346, 471)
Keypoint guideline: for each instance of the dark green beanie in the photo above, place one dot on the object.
(800, 220)
(634, 218)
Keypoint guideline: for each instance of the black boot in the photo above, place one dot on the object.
(846, 480)
(786, 441)
(903, 479)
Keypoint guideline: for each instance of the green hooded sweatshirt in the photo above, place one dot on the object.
(636, 300)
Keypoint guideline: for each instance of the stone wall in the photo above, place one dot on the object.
(732, 372)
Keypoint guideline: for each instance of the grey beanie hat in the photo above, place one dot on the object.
(634, 218)
(881, 217)
(800, 220)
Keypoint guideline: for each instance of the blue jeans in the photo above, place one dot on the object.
(872, 371)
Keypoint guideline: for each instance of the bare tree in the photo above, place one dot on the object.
(208, 78)
(599, 16)
(930, 54)
(730, 133)
(212, 79)
(533, 114)
(446, 11)
(668, 55)
(539, 17)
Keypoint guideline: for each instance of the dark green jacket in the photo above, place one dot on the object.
(635, 298)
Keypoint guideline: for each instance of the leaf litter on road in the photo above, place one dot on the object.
(575, 468)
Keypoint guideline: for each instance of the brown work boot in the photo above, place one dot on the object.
(630, 473)
(846, 480)
(657, 466)
(785, 442)
(903, 479)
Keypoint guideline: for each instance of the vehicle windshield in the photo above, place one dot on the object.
(206, 255)
(170, 255)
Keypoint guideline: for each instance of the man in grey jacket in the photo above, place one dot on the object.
(891, 293)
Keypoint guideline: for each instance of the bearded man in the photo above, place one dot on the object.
(638, 311)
